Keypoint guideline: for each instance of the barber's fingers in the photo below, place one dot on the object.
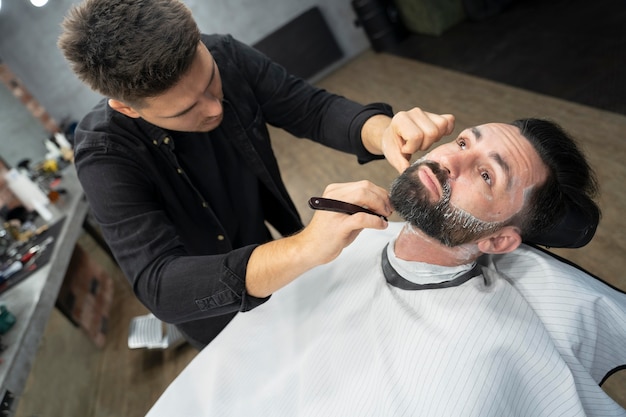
(418, 129)
(392, 149)
(362, 193)
(330, 232)
(411, 131)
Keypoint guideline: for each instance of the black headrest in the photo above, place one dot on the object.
(575, 229)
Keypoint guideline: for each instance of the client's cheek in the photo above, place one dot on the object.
(469, 205)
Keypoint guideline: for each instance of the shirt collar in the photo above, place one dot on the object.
(423, 276)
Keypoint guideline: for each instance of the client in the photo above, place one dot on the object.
(448, 314)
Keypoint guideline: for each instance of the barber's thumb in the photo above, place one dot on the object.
(401, 162)
(451, 120)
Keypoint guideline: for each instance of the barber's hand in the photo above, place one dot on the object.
(411, 131)
(329, 232)
(275, 264)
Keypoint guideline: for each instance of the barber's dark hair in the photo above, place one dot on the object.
(571, 185)
(129, 50)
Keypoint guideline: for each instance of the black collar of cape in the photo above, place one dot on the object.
(394, 278)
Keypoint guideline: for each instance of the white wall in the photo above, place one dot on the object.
(22, 136)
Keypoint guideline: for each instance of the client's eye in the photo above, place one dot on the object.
(486, 177)
(462, 144)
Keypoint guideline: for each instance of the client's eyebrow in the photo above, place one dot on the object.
(497, 158)
(505, 167)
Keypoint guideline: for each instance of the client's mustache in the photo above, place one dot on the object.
(440, 172)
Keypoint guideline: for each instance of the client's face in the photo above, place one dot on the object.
(450, 225)
(469, 188)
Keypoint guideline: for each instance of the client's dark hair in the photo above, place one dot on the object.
(568, 193)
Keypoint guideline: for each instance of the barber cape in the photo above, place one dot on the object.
(530, 336)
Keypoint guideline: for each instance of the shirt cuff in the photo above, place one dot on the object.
(249, 302)
(235, 277)
(363, 155)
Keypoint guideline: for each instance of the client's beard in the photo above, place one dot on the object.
(440, 220)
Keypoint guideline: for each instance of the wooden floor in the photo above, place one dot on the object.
(71, 377)
(571, 49)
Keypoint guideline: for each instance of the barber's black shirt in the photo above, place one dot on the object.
(234, 194)
(182, 217)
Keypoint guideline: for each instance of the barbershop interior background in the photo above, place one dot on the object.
(519, 58)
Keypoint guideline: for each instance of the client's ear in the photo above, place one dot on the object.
(123, 108)
(504, 240)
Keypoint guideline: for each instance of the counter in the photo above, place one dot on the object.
(32, 300)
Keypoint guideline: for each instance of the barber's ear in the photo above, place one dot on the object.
(503, 241)
(123, 108)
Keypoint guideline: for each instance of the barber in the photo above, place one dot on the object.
(177, 165)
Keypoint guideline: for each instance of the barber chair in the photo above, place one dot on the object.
(149, 332)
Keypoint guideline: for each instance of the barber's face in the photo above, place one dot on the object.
(194, 104)
(469, 188)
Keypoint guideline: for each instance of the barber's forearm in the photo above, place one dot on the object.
(372, 133)
(275, 264)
